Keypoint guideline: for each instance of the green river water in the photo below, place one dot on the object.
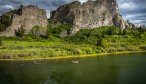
(110, 69)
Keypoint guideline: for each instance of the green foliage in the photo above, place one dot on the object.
(20, 32)
(99, 42)
(120, 31)
(103, 34)
(92, 36)
(87, 41)
(5, 22)
(136, 33)
(28, 38)
(2, 26)
(37, 30)
(112, 30)
(124, 32)
(55, 31)
(1, 43)
(37, 33)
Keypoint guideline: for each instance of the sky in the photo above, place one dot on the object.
(132, 10)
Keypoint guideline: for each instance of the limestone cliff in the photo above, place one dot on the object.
(25, 17)
(91, 14)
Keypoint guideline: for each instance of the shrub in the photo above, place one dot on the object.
(1, 42)
(55, 31)
(91, 36)
(103, 34)
(5, 22)
(99, 42)
(20, 32)
(28, 38)
(2, 26)
(124, 32)
(111, 30)
(120, 31)
(76, 51)
(38, 31)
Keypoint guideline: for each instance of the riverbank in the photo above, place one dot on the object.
(77, 56)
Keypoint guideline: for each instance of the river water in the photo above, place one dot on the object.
(110, 69)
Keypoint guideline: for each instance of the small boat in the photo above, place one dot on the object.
(75, 62)
(35, 62)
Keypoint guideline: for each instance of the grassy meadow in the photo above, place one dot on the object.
(85, 42)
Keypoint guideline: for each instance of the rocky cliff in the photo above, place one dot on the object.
(91, 14)
(25, 17)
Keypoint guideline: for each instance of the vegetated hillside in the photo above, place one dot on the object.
(111, 39)
(107, 39)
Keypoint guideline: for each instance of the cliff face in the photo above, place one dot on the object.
(25, 17)
(91, 14)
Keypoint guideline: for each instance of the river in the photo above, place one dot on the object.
(110, 69)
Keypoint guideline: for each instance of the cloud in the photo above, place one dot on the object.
(133, 10)
(7, 6)
(131, 16)
(128, 6)
(139, 18)
(82, 1)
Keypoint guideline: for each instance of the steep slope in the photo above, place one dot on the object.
(91, 14)
(25, 17)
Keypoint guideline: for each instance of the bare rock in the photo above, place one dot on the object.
(91, 14)
(26, 17)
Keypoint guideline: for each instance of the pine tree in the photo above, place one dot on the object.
(120, 31)
(103, 34)
(1, 43)
(20, 32)
(99, 41)
(112, 30)
(124, 32)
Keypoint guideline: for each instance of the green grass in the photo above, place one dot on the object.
(21, 49)
(83, 43)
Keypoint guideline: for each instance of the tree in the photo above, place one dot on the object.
(1, 42)
(2, 26)
(103, 34)
(5, 21)
(47, 33)
(120, 31)
(124, 32)
(20, 32)
(112, 30)
(99, 41)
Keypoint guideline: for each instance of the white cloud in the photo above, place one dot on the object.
(7, 6)
(82, 1)
(127, 6)
(137, 21)
(131, 16)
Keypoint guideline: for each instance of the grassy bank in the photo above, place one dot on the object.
(73, 56)
(105, 40)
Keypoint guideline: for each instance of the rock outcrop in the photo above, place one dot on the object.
(25, 17)
(91, 14)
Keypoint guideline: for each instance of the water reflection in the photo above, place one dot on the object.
(119, 69)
